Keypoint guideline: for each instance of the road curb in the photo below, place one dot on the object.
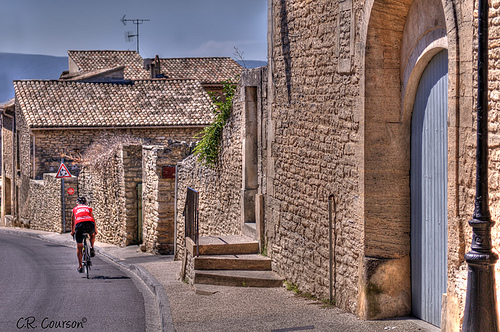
(149, 280)
(156, 288)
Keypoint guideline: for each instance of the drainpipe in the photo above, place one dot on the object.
(332, 244)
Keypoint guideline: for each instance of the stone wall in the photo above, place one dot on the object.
(460, 233)
(337, 124)
(316, 147)
(220, 189)
(112, 193)
(7, 144)
(493, 140)
(39, 151)
(105, 193)
(158, 193)
(45, 203)
(132, 177)
(305, 152)
(52, 145)
(7, 171)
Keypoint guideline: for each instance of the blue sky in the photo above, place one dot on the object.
(177, 28)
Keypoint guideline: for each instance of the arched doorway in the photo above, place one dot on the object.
(428, 181)
(399, 45)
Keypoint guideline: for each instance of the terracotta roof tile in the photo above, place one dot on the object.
(56, 104)
(94, 60)
(206, 70)
(93, 74)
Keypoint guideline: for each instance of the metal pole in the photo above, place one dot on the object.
(480, 304)
(137, 30)
(330, 238)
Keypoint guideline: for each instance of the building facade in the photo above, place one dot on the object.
(365, 116)
(120, 124)
(88, 126)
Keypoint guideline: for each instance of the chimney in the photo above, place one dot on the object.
(153, 65)
(147, 64)
(157, 71)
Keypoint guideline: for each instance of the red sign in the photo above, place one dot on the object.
(63, 172)
(168, 172)
(71, 191)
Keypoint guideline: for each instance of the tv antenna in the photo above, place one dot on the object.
(135, 21)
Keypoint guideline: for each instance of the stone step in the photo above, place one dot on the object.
(232, 262)
(250, 229)
(238, 278)
(223, 245)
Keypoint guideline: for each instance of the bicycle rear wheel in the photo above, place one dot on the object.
(86, 258)
(86, 270)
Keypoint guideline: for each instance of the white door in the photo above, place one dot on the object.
(429, 145)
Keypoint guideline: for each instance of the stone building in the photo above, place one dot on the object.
(120, 127)
(90, 126)
(368, 105)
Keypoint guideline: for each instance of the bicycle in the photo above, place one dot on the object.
(86, 262)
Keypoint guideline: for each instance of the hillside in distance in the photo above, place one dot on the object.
(27, 66)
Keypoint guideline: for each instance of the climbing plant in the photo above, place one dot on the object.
(209, 146)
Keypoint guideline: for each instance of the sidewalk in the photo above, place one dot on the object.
(227, 308)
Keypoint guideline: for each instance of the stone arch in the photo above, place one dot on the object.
(399, 39)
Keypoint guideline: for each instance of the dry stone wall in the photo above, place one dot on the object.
(220, 188)
(111, 189)
(132, 177)
(22, 168)
(105, 193)
(158, 194)
(112, 193)
(7, 144)
(45, 204)
(7, 172)
(52, 145)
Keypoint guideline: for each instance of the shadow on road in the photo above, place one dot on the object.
(110, 278)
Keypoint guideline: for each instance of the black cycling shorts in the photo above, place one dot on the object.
(84, 227)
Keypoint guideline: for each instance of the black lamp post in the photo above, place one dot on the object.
(480, 305)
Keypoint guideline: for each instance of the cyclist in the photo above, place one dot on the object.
(82, 221)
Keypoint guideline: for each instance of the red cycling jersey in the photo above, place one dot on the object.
(82, 213)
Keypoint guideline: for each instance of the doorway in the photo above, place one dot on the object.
(428, 182)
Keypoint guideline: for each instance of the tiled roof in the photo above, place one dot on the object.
(93, 74)
(8, 103)
(205, 70)
(56, 104)
(212, 70)
(95, 60)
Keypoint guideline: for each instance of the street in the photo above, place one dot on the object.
(41, 290)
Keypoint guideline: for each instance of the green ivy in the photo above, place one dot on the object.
(209, 146)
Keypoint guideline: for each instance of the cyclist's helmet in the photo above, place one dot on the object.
(81, 200)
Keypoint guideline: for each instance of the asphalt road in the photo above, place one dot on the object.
(40, 289)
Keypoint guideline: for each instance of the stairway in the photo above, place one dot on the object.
(231, 261)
